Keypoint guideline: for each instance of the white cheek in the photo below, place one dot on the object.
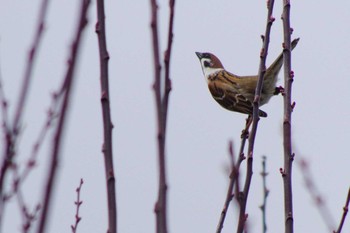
(210, 71)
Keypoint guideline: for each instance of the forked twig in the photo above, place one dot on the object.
(56, 143)
(234, 175)
(161, 98)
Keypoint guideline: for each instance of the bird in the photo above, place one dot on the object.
(236, 93)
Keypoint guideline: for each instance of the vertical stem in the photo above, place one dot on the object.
(160, 206)
(162, 109)
(287, 120)
(266, 193)
(57, 140)
(167, 55)
(107, 122)
(261, 73)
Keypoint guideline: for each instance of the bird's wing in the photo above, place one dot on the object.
(228, 94)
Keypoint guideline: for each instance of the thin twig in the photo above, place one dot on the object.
(315, 193)
(287, 120)
(77, 203)
(265, 194)
(31, 162)
(12, 132)
(107, 122)
(229, 194)
(4, 109)
(167, 55)
(160, 206)
(57, 140)
(28, 216)
(262, 69)
(234, 176)
(345, 212)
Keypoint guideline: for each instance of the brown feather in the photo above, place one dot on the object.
(229, 94)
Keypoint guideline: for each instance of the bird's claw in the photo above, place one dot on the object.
(279, 90)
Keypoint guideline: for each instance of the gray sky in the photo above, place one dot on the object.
(198, 128)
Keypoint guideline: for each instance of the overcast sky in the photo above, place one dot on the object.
(198, 128)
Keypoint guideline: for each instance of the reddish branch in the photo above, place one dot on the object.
(107, 122)
(11, 132)
(262, 69)
(57, 140)
(28, 216)
(160, 207)
(315, 193)
(77, 203)
(167, 54)
(19, 178)
(287, 120)
(162, 108)
(345, 212)
(265, 194)
(234, 176)
(4, 111)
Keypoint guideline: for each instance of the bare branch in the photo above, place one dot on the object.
(345, 212)
(4, 109)
(234, 175)
(265, 194)
(262, 69)
(287, 120)
(162, 108)
(107, 122)
(167, 55)
(77, 203)
(57, 140)
(13, 131)
(315, 193)
(229, 195)
(160, 206)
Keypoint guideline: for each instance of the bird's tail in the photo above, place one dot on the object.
(277, 64)
(270, 77)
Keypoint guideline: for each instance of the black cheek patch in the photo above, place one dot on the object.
(206, 63)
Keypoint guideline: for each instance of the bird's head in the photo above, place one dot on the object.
(210, 63)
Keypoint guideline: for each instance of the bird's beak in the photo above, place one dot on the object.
(199, 55)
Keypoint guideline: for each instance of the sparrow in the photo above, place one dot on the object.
(236, 93)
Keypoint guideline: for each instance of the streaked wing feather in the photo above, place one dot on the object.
(229, 96)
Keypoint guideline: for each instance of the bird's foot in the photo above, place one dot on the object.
(279, 90)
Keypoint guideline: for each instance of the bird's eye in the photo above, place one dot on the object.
(206, 64)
